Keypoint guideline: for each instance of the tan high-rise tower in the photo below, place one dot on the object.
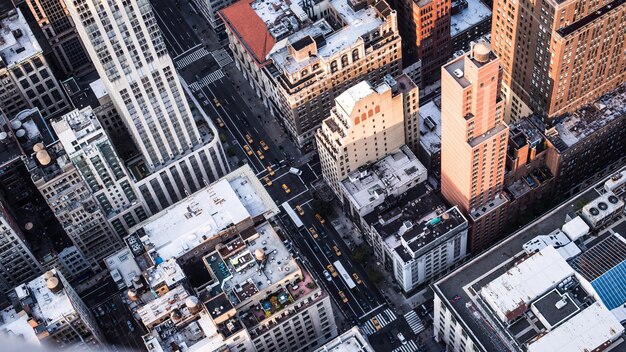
(474, 142)
(558, 55)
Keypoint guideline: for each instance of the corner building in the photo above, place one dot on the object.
(474, 142)
(299, 64)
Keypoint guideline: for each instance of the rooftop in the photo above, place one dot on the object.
(393, 174)
(197, 335)
(603, 11)
(350, 341)
(178, 229)
(48, 307)
(472, 12)
(419, 238)
(260, 24)
(123, 267)
(430, 127)
(76, 125)
(252, 265)
(586, 331)
(356, 21)
(17, 42)
(569, 129)
(417, 205)
(484, 275)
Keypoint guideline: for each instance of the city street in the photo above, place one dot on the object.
(245, 136)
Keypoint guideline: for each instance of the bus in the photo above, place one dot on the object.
(292, 215)
(344, 274)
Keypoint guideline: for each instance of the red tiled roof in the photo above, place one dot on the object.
(251, 30)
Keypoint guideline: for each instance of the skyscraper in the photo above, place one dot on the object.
(58, 27)
(128, 51)
(474, 141)
(425, 30)
(92, 152)
(558, 55)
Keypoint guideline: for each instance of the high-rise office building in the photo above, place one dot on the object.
(93, 154)
(26, 80)
(298, 66)
(17, 262)
(57, 25)
(366, 124)
(126, 46)
(558, 55)
(474, 142)
(425, 30)
(73, 203)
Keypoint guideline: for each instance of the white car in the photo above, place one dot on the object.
(327, 275)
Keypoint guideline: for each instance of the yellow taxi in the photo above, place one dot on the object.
(247, 149)
(264, 145)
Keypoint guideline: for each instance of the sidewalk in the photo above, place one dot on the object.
(344, 226)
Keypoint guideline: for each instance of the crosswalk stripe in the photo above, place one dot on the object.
(191, 58)
(414, 322)
(222, 57)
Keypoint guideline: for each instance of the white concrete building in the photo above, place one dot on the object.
(178, 157)
(350, 341)
(92, 153)
(424, 251)
(257, 297)
(26, 80)
(366, 124)
(554, 285)
(59, 318)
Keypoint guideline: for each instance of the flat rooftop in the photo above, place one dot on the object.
(473, 14)
(571, 128)
(470, 279)
(122, 266)
(17, 40)
(430, 127)
(350, 341)
(355, 24)
(244, 274)
(49, 307)
(178, 229)
(396, 171)
(418, 238)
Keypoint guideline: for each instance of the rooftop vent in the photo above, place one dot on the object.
(594, 211)
(603, 206)
(613, 199)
